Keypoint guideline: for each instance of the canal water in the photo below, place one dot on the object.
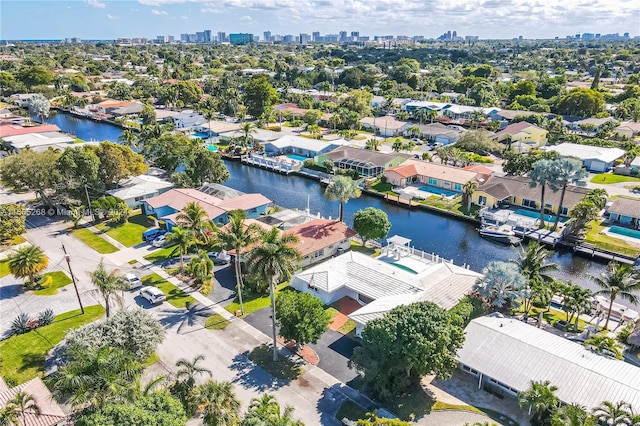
(433, 233)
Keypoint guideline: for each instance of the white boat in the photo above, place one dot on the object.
(618, 311)
(497, 231)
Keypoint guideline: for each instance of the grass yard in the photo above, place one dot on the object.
(23, 356)
(129, 233)
(162, 254)
(281, 369)
(369, 251)
(175, 295)
(414, 402)
(216, 322)
(348, 327)
(94, 241)
(351, 410)
(553, 315)
(253, 302)
(58, 280)
(384, 188)
(18, 239)
(607, 242)
(609, 178)
(4, 268)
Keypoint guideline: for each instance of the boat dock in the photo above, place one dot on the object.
(399, 200)
(271, 163)
(543, 235)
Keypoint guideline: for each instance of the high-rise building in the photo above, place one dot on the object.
(454, 35)
(267, 36)
(315, 36)
(222, 37)
(305, 38)
(355, 34)
(184, 38)
(240, 38)
(288, 38)
(199, 36)
(343, 36)
(207, 36)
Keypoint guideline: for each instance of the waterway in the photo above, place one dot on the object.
(433, 233)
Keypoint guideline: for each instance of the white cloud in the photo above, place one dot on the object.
(159, 12)
(184, 17)
(112, 17)
(96, 3)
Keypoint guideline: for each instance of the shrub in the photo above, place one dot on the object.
(21, 324)
(45, 317)
(309, 163)
(623, 334)
(206, 287)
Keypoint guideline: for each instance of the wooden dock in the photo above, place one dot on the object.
(396, 199)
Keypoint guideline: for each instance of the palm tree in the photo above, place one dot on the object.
(129, 138)
(267, 409)
(27, 262)
(24, 403)
(501, 285)
(201, 267)
(421, 115)
(541, 399)
(275, 258)
(533, 265)
(8, 415)
(247, 129)
(570, 171)
(600, 342)
(373, 144)
(598, 197)
(397, 145)
(183, 239)
(544, 173)
(237, 237)
(314, 131)
(572, 415)
(468, 189)
(218, 404)
(108, 285)
(193, 217)
(342, 189)
(189, 370)
(476, 117)
(581, 214)
(95, 376)
(618, 281)
(612, 414)
(414, 131)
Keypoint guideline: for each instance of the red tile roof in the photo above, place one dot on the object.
(14, 130)
(319, 234)
(478, 168)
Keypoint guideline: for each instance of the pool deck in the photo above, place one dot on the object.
(631, 240)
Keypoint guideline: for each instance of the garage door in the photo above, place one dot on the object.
(598, 166)
(443, 140)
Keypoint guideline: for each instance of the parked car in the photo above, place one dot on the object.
(152, 294)
(152, 234)
(417, 141)
(133, 280)
(160, 241)
(219, 258)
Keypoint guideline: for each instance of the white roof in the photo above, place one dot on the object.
(304, 143)
(35, 140)
(428, 104)
(636, 162)
(461, 109)
(138, 186)
(588, 152)
(397, 239)
(514, 353)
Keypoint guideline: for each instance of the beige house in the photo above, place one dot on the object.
(436, 175)
(628, 129)
(386, 126)
(522, 136)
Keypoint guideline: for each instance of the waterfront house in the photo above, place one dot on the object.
(506, 354)
(627, 129)
(39, 141)
(428, 105)
(49, 412)
(22, 99)
(625, 211)
(516, 191)
(321, 239)
(386, 126)
(187, 120)
(169, 204)
(438, 133)
(522, 136)
(299, 146)
(217, 127)
(366, 162)
(431, 174)
(594, 158)
(136, 189)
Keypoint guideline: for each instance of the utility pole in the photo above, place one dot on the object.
(73, 278)
(86, 192)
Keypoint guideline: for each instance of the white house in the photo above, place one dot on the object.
(386, 126)
(39, 141)
(305, 147)
(135, 189)
(187, 120)
(594, 158)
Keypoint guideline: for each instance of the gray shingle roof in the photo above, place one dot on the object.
(625, 207)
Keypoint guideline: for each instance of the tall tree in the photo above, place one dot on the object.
(28, 262)
(390, 358)
(39, 106)
(541, 399)
(618, 280)
(609, 413)
(185, 386)
(266, 410)
(129, 138)
(301, 317)
(535, 267)
(194, 218)
(259, 95)
(572, 415)
(371, 224)
(237, 236)
(13, 220)
(544, 173)
(33, 171)
(501, 285)
(247, 129)
(275, 259)
(218, 404)
(24, 403)
(109, 285)
(570, 172)
(468, 189)
(342, 189)
(183, 239)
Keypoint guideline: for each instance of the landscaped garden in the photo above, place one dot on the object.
(56, 279)
(128, 233)
(609, 178)
(607, 242)
(162, 254)
(94, 241)
(176, 296)
(4, 268)
(252, 301)
(262, 356)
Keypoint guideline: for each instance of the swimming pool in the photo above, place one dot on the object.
(212, 147)
(438, 191)
(297, 157)
(625, 231)
(201, 135)
(405, 268)
(536, 215)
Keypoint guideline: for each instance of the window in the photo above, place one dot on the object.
(564, 211)
(446, 183)
(139, 198)
(457, 187)
(528, 203)
(433, 181)
(253, 210)
(482, 200)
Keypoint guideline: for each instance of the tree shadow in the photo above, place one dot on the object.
(186, 320)
(329, 403)
(250, 376)
(10, 291)
(32, 360)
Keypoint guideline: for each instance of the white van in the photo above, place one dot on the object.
(134, 281)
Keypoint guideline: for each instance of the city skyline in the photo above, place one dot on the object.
(488, 19)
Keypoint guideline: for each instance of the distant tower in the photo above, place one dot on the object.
(448, 35)
(454, 36)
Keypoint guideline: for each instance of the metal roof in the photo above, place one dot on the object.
(515, 353)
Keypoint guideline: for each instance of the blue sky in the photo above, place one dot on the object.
(109, 19)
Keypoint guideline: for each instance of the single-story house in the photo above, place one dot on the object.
(380, 286)
(315, 94)
(595, 122)
(438, 132)
(386, 126)
(365, 161)
(49, 412)
(506, 354)
(625, 211)
(594, 158)
(163, 114)
(506, 116)
(309, 148)
(522, 136)
(258, 135)
(218, 127)
(452, 96)
(518, 192)
(432, 174)
(428, 105)
(135, 189)
(15, 129)
(22, 99)
(38, 141)
(465, 112)
(135, 108)
(321, 239)
(628, 129)
(187, 120)
(168, 205)
(635, 165)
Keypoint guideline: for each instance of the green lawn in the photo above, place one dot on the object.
(608, 178)
(162, 254)
(18, 239)
(129, 233)
(216, 322)
(414, 402)
(348, 327)
(253, 302)
(4, 268)
(94, 241)
(281, 369)
(553, 315)
(23, 356)
(58, 280)
(607, 242)
(175, 296)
